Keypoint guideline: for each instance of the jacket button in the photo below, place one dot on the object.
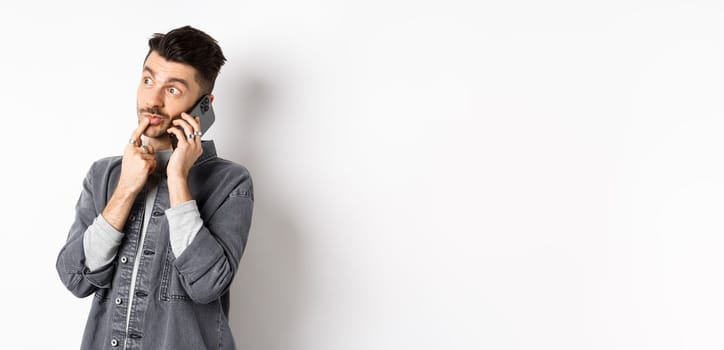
(119, 301)
(132, 218)
(124, 260)
(114, 343)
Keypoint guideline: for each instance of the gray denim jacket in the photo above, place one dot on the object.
(180, 302)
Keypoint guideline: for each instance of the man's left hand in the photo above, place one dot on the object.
(188, 149)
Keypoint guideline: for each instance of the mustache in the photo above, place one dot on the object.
(155, 111)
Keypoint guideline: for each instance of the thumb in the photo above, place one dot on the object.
(152, 166)
(150, 149)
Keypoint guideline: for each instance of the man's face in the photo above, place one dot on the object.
(166, 89)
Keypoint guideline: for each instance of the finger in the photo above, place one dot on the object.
(180, 137)
(136, 135)
(152, 166)
(147, 157)
(150, 149)
(187, 128)
(198, 132)
(194, 121)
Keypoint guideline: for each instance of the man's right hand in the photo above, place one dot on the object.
(138, 162)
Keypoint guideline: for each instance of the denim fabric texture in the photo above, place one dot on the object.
(179, 302)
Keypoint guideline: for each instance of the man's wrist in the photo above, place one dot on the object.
(176, 180)
(178, 190)
(124, 191)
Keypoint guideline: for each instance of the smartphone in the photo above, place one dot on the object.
(204, 111)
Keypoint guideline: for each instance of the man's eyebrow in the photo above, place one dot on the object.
(170, 80)
(149, 70)
(178, 80)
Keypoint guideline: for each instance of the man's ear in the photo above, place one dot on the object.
(211, 97)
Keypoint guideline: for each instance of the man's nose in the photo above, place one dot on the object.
(154, 98)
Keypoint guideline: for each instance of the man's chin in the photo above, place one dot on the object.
(155, 133)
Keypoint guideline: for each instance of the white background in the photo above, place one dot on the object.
(428, 175)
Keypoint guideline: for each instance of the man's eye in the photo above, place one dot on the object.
(147, 81)
(174, 91)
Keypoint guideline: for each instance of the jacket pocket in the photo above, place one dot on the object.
(171, 288)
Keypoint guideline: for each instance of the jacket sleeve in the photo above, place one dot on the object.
(71, 266)
(208, 265)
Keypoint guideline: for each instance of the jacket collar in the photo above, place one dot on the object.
(209, 152)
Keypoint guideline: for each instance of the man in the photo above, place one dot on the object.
(159, 232)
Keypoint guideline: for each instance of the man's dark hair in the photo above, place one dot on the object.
(190, 46)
